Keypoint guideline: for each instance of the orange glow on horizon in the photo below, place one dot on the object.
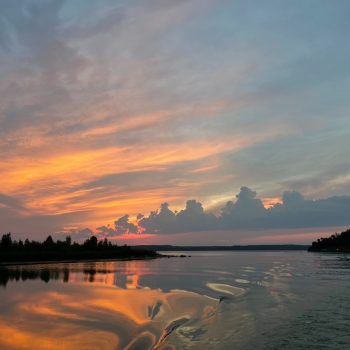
(132, 236)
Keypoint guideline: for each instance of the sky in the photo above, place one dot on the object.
(180, 122)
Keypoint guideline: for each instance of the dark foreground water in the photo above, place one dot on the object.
(212, 300)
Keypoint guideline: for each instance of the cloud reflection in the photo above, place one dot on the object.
(113, 312)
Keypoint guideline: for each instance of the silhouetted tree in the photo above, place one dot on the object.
(92, 248)
(336, 242)
(49, 241)
(6, 240)
(91, 242)
(68, 241)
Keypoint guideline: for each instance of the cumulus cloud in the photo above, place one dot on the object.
(162, 221)
(298, 212)
(121, 226)
(106, 230)
(192, 218)
(247, 212)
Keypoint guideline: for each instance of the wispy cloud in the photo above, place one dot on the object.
(113, 108)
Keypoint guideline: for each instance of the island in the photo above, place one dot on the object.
(13, 251)
(338, 242)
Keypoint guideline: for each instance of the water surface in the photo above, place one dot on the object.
(211, 300)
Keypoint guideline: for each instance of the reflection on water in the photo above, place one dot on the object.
(213, 300)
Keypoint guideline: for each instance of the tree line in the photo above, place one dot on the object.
(49, 250)
(338, 242)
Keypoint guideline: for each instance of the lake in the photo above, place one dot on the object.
(211, 300)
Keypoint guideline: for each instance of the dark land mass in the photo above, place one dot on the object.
(170, 248)
(92, 249)
(338, 242)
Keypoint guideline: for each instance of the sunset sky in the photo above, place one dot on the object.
(110, 108)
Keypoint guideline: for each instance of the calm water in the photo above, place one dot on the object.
(212, 300)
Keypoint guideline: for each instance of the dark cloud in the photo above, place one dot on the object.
(162, 221)
(298, 212)
(106, 230)
(121, 226)
(192, 218)
(247, 212)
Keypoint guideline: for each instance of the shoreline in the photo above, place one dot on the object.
(68, 261)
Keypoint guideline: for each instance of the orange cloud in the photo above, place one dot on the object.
(271, 201)
(50, 185)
